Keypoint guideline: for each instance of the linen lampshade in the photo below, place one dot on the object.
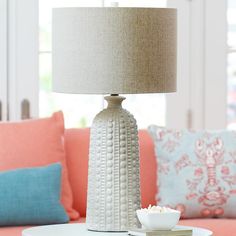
(114, 50)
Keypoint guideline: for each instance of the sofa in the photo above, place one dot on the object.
(77, 147)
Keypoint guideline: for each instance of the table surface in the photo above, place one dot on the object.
(79, 229)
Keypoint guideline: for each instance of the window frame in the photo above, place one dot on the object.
(202, 79)
(21, 57)
(215, 70)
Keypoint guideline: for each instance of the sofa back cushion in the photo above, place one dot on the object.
(77, 151)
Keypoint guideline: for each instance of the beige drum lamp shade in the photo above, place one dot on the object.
(114, 50)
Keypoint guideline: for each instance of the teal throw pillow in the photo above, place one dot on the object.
(31, 196)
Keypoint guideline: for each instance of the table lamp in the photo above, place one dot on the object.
(114, 51)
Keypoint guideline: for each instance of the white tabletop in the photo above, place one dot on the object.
(80, 230)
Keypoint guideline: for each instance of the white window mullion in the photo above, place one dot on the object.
(3, 59)
(178, 104)
(215, 64)
(22, 56)
(197, 64)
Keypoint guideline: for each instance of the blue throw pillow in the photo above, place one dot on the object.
(31, 196)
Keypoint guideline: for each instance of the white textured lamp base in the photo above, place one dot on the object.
(113, 181)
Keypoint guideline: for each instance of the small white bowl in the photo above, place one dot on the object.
(157, 220)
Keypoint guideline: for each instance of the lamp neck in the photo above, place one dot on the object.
(114, 101)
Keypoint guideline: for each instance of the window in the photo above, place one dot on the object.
(24, 56)
(79, 110)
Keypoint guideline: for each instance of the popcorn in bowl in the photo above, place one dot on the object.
(158, 209)
(158, 218)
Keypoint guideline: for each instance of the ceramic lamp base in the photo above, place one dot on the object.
(113, 181)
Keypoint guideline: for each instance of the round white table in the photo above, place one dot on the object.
(80, 230)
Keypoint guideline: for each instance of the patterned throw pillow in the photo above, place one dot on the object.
(196, 171)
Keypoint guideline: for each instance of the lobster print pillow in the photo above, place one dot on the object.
(196, 171)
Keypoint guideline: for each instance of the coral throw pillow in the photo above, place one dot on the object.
(34, 143)
(196, 171)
